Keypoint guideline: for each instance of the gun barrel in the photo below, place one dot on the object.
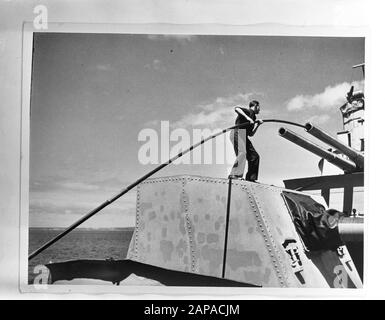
(353, 155)
(344, 164)
(350, 231)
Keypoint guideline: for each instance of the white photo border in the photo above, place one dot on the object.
(161, 292)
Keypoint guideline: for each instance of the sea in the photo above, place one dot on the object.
(78, 244)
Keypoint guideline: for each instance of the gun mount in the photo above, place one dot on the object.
(352, 154)
(344, 164)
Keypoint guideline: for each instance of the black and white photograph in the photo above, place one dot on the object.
(196, 160)
(190, 150)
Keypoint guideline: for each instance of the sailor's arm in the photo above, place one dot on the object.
(257, 124)
(242, 113)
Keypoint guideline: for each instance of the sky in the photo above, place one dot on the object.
(93, 94)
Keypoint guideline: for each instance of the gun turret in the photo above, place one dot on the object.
(356, 156)
(344, 164)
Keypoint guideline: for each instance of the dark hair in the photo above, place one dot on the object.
(253, 103)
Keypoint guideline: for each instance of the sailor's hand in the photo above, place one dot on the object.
(258, 122)
(251, 121)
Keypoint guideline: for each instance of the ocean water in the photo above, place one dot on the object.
(78, 244)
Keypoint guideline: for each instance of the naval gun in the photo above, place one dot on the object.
(351, 231)
(354, 161)
(348, 153)
(354, 155)
(344, 164)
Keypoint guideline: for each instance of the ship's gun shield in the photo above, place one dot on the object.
(317, 226)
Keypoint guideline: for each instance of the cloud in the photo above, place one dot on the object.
(331, 97)
(59, 184)
(55, 202)
(79, 199)
(46, 183)
(110, 183)
(62, 205)
(52, 215)
(50, 183)
(51, 208)
(103, 67)
(217, 113)
(319, 119)
(78, 186)
(152, 123)
(156, 64)
(183, 38)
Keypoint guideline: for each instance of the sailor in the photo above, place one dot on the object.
(243, 147)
